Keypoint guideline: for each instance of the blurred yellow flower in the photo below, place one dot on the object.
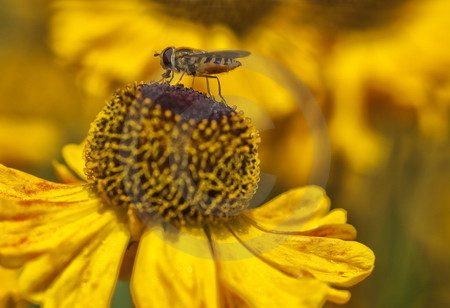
(142, 28)
(38, 140)
(353, 56)
(171, 172)
(31, 87)
(403, 65)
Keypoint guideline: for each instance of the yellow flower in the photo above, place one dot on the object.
(103, 55)
(31, 87)
(379, 72)
(170, 173)
(266, 29)
(353, 56)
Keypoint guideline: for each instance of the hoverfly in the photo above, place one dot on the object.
(199, 63)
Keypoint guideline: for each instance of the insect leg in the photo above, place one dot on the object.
(218, 83)
(179, 80)
(218, 87)
(171, 78)
(165, 75)
(207, 87)
(193, 79)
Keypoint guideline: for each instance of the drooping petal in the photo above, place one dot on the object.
(80, 273)
(164, 276)
(337, 230)
(73, 156)
(292, 209)
(336, 216)
(32, 233)
(263, 286)
(17, 185)
(341, 231)
(328, 259)
(257, 284)
(37, 216)
(42, 271)
(73, 244)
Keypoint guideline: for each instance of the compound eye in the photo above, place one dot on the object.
(166, 57)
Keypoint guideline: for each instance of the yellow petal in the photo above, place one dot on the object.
(9, 290)
(40, 272)
(336, 216)
(64, 174)
(260, 285)
(164, 276)
(37, 215)
(73, 156)
(292, 209)
(18, 185)
(83, 271)
(330, 260)
(30, 234)
(263, 286)
(338, 296)
(340, 231)
(315, 228)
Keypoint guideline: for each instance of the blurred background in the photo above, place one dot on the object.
(378, 72)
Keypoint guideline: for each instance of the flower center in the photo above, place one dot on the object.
(170, 151)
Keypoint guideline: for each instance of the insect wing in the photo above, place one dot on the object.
(227, 54)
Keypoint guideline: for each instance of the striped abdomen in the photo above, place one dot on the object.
(210, 65)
